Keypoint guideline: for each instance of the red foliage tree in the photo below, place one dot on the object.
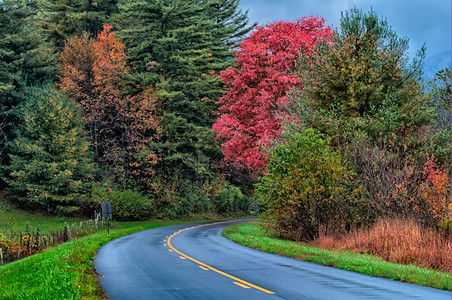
(263, 75)
(121, 125)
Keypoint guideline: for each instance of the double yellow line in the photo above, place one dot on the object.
(239, 282)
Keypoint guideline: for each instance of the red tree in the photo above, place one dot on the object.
(263, 75)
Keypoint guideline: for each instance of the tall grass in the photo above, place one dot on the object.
(402, 241)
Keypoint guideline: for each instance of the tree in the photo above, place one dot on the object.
(25, 59)
(62, 19)
(362, 79)
(362, 94)
(121, 125)
(438, 140)
(50, 161)
(179, 47)
(259, 82)
(309, 185)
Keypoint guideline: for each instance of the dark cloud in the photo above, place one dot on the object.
(421, 21)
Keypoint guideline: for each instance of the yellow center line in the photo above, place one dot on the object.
(246, 283)
(241, 285)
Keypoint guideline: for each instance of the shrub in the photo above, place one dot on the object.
(230, 200)
(308, 185)
(126, 205)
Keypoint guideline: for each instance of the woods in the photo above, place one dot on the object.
(178, 108)
(144, 76)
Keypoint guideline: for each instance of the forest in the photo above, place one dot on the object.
(176, 108)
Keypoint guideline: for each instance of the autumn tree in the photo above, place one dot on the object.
(258, 84)
(50, 166)
(121, 124)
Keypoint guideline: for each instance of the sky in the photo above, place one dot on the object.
(421, 21)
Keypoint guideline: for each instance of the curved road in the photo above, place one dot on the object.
(193, 261)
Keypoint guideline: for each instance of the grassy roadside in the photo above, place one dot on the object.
(63, 272)
(16, 220)
(253, 235)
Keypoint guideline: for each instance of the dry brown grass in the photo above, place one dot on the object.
(401, 241)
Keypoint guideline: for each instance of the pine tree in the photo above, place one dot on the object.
(61, 19)
(50, 161)
(179, 47)
(25, 59)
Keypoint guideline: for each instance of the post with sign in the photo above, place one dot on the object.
(106, 213)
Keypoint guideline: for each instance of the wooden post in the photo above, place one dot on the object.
(1, 256)
(65, 232)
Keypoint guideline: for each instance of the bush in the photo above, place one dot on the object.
(230, 200)
(126, 205)
(309, 185)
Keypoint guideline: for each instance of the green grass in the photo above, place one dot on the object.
(15, 220)
(255, 236)
(66, 271)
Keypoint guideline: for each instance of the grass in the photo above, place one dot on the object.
(66, 271)
(255, 236)
(401, 241)
(15, 220)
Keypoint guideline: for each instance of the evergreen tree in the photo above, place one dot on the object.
(62, 19)
(25, 59)
(50, 162)
(362, 81)
(179, 47)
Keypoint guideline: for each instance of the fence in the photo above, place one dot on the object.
(15, 246)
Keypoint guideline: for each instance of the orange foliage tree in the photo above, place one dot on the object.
(435, 190)
(121, 123)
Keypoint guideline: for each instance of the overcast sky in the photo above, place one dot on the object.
(422, 21)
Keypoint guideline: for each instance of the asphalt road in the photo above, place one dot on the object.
(195, 262)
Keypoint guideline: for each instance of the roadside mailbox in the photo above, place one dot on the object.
(107, 214)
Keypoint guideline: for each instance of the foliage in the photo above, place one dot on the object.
(362, 94)
(63, 19)
(179, 47)
(391, 180)
(309, 185)
(438, 138)
(25, 59)
(363, 79)
(126, 205)
(230, 200)
(259, 81)
(50, 162)
(121, 125)
(435, 191)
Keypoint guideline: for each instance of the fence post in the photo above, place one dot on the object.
(1, 256)
(65, 232)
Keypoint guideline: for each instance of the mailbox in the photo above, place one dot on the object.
(106, 210)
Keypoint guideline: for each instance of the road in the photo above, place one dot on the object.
(193, 261)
